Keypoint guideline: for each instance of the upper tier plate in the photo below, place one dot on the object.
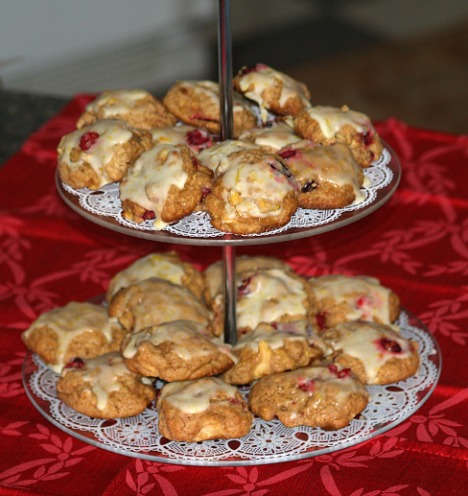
(103, 208)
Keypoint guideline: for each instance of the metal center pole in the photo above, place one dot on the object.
(226, 116)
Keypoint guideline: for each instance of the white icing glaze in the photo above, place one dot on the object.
(333, 164)
(153, 265)
(71, 320)
(102, 374)
(254, 83)
(171, 135)
(367, 298)
(111, 132)
(149, 179)
(274, 137)
(193, 397)
(332, 119)
(270, 295)
(360, 340)
(254, 190)
(216, 158)
(116, 102)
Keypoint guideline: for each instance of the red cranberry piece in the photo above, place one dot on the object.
(306, 385)
(148, 215)
(320, 319)
(368, 138)
(308, 186)
(205, 192)
(341, 374)
(88, 139)
(197, 137)
(234, 401)
(363, 300)
(243, 288)
(287, 153)
(390, 345)
(76, 363)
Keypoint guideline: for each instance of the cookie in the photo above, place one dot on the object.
(104, 388)
(100, 154)
(375, 353)
(166, 266)
(216, 158)
(328, 176)
(154, 301)
(165, 184)
(254, 195)
(204, 409)
(269, 350)
(272, 136)
(181, 350)
(138, 108)
(272, 90)
(328, 397)
(327, 125)
(198, 103)
(338, 298)
(76, 329)
(197, 139)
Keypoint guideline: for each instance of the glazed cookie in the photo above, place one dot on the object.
(197, 139)
(154, 301)
(76, 329)
(272, 136)
(104, 388)
(166, 266)
(100, 154)
(338, 298)
(272, 90)
(375, 353)
(165, 184)
(327, 176)
(181, 350)
(204, 409)
(197, 103)
(216, 158)
(136, 107)
(254, 195)
(269, 350)
(328, 397)
(328, 125)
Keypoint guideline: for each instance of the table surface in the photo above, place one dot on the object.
(417, 244)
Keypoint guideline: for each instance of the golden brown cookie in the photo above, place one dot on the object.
(138, 108)
(254, 195)
(103, 387)
(196, 138)
(328, 397)
(200, 410)
(197, 103)
(272, 136)
(338, 298)
(154, 301)
(76, 329)
(166, 266)
(166, 184)
(180, 350)
(272, 90)
(376, 353)
(327, 125)
(100, 154)
(270, 349)
(327, 176)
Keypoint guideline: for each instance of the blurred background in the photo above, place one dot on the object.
(388, 58)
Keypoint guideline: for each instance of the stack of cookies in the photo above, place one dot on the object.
(168, 159)
(306, 349)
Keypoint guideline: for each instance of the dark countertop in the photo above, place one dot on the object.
(20, 115)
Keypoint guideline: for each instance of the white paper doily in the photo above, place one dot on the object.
(267, 442)
(104, 207)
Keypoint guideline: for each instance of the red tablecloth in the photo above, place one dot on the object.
(417, 244)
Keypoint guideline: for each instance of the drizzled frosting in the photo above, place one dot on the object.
(273, 137)
(367, 298)
(332, 119)
(193, 397)
(71, 320)
(116, 102)
(268, 296)
(110, 132)
(216, 158)
(150, 178)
